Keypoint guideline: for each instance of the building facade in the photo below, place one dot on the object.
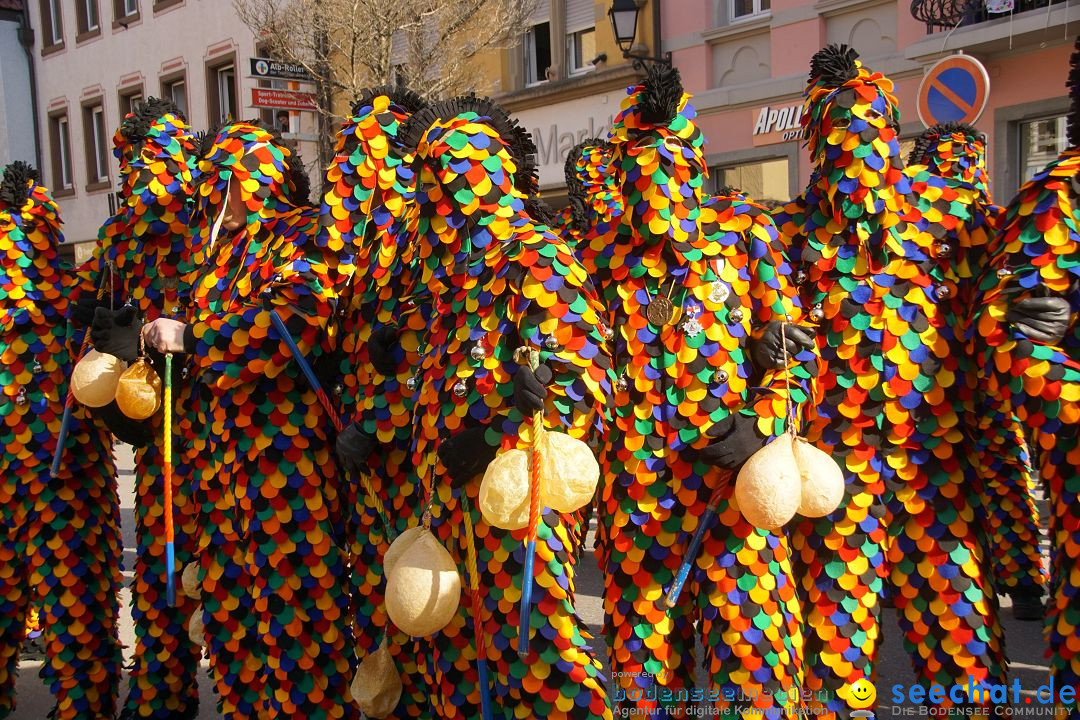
(746, 62)
(566, 79)
(95, 58)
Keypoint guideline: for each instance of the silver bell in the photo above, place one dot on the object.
(720, 377)
(943, 292)
(20, 399)
(460, 388)
(736, 315)
(943, 250)
(817, 313)
(800, 277)
(621, 385)
(551, 343)
(37, 367)
(478, 352)
(412, 383)
(339, 389)
(609, 333)
(1004, 272)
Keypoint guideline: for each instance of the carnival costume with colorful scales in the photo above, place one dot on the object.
(962, 218)
(144, 242)
(498, 282)
(368, 186)
(688, 280)
(271, 549)
(60, 546)
(1036, 255)
(885, 407)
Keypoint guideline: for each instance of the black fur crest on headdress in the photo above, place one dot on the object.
(934, 133)
(15, 187)
(135, 126)
(1073, 84)
(834, 65)
(399, 95)
(660, 95)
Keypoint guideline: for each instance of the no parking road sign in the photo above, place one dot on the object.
(954, 90)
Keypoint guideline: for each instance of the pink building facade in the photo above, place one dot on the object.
(746, 62)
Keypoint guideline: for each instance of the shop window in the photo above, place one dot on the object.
(60, 146)
(52, 19)
(175, 89)
(1041, 141)
(748, 8)
(580, 50)
(97, 146)
(86, 12)
(762, 181)
(537, 53)
(221, 89)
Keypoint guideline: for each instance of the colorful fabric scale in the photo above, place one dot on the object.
(368, 186)
(718, 262)
(498, 282)
(947, 169)
(60, 543)
(144, 242)
(1037, 254)
(886, 407)
(270, 549)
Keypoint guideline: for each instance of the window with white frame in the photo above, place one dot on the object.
(97, 144)
(60, 137)
(580, 50)
(53, 19)
(537, 53)
(176, 90)
(740, 9)
(222, 91)
(87, 11)
(129, 99)
(130, 7)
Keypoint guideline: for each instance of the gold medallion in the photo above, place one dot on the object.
(660, 311)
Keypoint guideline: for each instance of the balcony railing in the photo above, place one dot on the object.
(947, 14)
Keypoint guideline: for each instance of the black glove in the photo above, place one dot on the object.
(136, 433)
(353, 447)
(1042, 319)
(116, 332)
(767, 353)
(530, 388)
(82, 312)
(383, 350)
(466, 454)
(736, 442)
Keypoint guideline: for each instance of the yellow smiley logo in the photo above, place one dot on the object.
(861, 694)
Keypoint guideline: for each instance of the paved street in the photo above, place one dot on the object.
(1024, 640)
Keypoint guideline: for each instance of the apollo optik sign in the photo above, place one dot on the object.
(777, 124)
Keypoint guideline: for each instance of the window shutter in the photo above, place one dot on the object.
(541, 13)
(580, 15)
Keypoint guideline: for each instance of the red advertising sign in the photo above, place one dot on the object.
(283, 99)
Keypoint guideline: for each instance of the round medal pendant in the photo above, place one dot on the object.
(660, 311)
(719, 292)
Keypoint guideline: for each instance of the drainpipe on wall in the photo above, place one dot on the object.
(26, 39)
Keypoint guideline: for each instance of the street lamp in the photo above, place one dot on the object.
(624, 19)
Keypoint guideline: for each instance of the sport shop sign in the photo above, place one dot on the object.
(776, 124)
